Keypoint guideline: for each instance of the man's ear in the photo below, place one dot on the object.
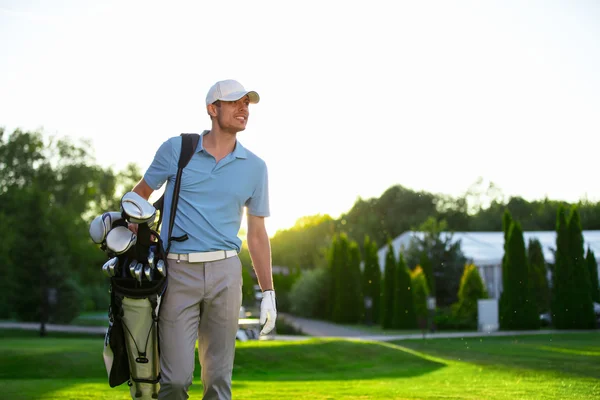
(212, 110)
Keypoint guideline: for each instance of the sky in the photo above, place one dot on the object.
(355, 96)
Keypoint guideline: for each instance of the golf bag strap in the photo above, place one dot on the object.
(189, 142)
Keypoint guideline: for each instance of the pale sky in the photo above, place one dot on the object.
(355, 96)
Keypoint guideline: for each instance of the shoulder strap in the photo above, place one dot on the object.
(189, 142)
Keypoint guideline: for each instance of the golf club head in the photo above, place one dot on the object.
(138, 209)
(102, 224)
(120, 239)
(160, 267)
(151, 259)
(112, 265)
(138, 272)
(148, 273)
(132, 266)
(105, 268)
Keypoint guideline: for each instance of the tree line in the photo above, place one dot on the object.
(400, 209)
(50, 189)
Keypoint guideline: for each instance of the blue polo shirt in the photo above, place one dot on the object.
(212, 197)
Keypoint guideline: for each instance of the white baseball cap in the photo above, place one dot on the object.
(230, 90)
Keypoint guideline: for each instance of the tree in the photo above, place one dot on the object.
(348, 299)
(581, 312)
(561, 282)
(420, 293)
(537, 278)
(387, 301)
(444, 255)
(50, 189)
(371, 280)
(593, 270)
(517, 308)
(404, 307)
(354, 300)
(471, 290)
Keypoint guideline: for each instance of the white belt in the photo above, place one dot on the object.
(207, 256)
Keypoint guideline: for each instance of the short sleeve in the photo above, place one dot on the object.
(160, 169)
(258, 204)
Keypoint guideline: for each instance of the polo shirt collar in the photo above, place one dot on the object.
(238, 152)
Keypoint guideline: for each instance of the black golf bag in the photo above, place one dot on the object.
(131, 351)
(137, 268)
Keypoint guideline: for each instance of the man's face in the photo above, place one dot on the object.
(233, 115)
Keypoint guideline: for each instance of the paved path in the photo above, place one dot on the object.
(325, 329)
(313, 328)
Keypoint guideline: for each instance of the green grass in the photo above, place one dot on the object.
(551, 366)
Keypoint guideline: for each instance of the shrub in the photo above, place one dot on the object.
(471, 290)
(309, 292)
(420, 291)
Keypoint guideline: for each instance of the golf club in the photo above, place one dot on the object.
(132, 266)
(160, 267)
(105, 269)
(151, 258)
(112, 264)
(138, 209)
(120, 239)
(148, 273)
(138, 272)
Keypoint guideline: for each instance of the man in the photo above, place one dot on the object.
(203, 296)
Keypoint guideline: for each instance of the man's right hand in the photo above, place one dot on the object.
(133, 227)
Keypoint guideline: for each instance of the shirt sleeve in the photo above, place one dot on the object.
(258, 204)
(160, 169)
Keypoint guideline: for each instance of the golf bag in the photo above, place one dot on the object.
(137, 268)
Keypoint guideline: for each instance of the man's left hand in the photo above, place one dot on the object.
(268, 312)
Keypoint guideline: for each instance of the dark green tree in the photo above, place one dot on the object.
(50, 189)
(561, 279)
(387, 301)
(347, 291)
(593, 271)
(517, 308)
(538, 276)
(353, 294)
(404, 305)
(371, 280)
(581, 308)
(445, 256)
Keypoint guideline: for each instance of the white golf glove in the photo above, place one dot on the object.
(268, 312)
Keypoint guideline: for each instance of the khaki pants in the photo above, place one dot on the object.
(202, 301)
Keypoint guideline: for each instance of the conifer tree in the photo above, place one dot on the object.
(372, 279)
(342, 278)
(581, 308)
(593, 272)
(518, 310)
(560, 277)
(404, 308)
(387, 301)
(538, 276)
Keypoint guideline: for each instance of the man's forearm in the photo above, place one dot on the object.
(259, 247)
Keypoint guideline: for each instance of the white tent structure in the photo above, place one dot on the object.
(485, 250)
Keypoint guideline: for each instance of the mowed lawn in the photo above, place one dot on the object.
(550, 366)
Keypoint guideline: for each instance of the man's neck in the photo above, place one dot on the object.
(219, 143)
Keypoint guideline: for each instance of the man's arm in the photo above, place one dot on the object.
(260, 251)
(259, 247)
(143, 189)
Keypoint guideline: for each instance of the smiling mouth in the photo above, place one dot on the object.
(241, 118)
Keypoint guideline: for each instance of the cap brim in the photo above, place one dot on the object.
(235, 96)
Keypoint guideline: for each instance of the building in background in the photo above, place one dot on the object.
(485, 250)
